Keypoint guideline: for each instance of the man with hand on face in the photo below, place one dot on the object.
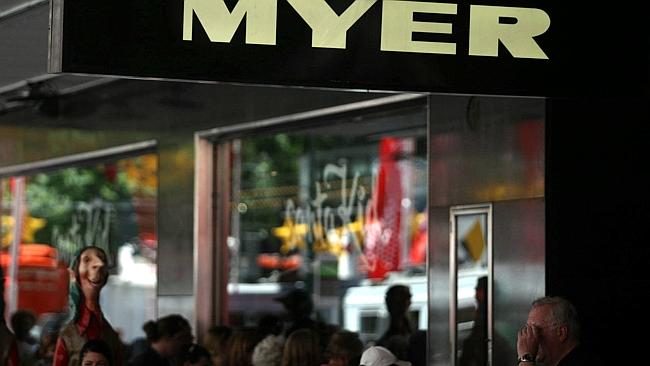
(551, 336)
(88, 275)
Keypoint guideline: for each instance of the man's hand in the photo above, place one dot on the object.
(527, 340)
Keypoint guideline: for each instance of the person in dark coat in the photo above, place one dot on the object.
(396, 338)
(169, 338)
(552, 336)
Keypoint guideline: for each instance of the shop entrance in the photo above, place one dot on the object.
(346, 202)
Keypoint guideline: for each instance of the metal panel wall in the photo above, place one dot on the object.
(488, 150)
(439, 288)
(519, 249)
(23, 40)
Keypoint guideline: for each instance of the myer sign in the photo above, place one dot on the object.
(330, 30)
(477, 46)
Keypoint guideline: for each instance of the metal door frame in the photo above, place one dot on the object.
(454, 212)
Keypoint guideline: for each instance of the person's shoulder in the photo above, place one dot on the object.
(146, 357)
(581, 355)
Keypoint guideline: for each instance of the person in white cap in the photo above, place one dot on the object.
(380, 356)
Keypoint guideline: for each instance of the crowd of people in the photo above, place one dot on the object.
(87, 338)
(296, 339)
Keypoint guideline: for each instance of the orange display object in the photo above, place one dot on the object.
(42, 279)
(274, 261)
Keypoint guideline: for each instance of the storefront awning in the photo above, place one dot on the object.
(23, 56)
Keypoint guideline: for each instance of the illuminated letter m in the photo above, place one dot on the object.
(220, 24)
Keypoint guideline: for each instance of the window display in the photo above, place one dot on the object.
(334, 210)
(111, 205)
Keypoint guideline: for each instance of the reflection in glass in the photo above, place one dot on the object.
(333, 210)
(474, 348)
(111, 205)
(472, 251)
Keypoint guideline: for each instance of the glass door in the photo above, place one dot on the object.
(471, 278)
(336, 210)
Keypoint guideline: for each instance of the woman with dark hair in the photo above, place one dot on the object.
(217, 343)
(95, 353)
(344, 349)
(88, 275)
(168, 337)
(302, 349)
(241, 345)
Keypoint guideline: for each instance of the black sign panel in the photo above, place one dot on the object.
(477, 47)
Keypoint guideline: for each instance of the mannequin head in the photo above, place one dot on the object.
(88, 275)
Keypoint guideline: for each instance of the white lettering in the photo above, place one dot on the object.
(398, 27)
(485, 31)
(220, 25)
(329, 29)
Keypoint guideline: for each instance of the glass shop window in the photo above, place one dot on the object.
(338, 210)
(471, 247)
(111, 205)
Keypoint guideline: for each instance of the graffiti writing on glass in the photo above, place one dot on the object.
(89, 225)
(331, 229)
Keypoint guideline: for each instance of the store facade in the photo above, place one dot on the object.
(359, 200)
(340, 191)
(400, 190)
